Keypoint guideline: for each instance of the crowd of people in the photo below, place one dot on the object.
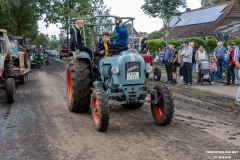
(189, 60)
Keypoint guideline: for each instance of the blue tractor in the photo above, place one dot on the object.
(119, 77)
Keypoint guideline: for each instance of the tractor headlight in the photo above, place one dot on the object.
(149, 69)
(115, 70)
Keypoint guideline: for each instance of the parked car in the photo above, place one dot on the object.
(53, 53)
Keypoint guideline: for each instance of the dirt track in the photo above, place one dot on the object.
(39, 126)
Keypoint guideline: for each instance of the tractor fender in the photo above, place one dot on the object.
(86, 56)
(98, 84)
(81, 54)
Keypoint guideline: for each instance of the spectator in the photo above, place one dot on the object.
(201, 55)
(144, 45)
(166, 61)
(174, 63)
(187, 63)
(230, 65)
(237, 63)
(120, 35)
(193, 59)
(219, 54)
(213, 69)
(75, 39)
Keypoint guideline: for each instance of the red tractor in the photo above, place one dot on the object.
(149, 67)
(64, 52)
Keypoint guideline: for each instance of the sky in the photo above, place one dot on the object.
(127, 8)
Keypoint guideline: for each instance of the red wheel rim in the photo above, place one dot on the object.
(156, 73)
(69, 84)
(158, 110)
(96, 110)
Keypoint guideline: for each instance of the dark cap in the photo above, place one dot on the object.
(167, 43)
(186, 42)
(230, 44)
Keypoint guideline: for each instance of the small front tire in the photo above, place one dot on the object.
(10, 90)
(100, 110)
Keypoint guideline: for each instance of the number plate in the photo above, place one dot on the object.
(132, 75)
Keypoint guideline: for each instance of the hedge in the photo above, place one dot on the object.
(209, 45)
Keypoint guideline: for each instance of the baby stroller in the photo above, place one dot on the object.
(204, 73)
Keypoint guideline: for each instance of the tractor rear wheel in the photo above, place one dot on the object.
(10, 90)
(163, 111)
(100, 110)
(78, 85)
(24, 78)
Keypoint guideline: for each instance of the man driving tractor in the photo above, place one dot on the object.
(104, 46)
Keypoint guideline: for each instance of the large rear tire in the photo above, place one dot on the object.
(10, 90)
(100, 110)
(78, 85)
(164, 110)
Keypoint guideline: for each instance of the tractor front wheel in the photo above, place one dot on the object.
(163, 111)
(10, 90)
(100, 110)
(78, 85)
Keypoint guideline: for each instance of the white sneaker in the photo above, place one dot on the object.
(181, 77)
(212, 83)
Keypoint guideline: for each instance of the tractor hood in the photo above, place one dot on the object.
(131, 68)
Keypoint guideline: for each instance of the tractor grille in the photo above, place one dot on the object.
(132, 67)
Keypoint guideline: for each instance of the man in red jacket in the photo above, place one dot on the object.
(230, 65)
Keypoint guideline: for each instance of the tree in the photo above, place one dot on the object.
(143, 34)
(41, 39)
(163, 9)
(155, 35)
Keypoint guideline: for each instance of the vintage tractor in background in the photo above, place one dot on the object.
(21, 59)
(64, 52)
(122, 79)
(149, 67)
(6, 68)
(39, 56)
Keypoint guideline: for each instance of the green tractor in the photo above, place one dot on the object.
(39, 56)
(119, 77)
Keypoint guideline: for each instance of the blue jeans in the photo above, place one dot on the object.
(192, 68)
(220, 64)
(213, 76)
(238, 94)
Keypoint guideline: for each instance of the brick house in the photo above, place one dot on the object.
(137, 37)
(202, 22)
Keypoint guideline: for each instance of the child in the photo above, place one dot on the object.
(213, 69)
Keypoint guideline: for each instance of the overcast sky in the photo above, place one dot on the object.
(129, 8)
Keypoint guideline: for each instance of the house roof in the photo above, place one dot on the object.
(204, 15)
(136, 34)
(203, 21)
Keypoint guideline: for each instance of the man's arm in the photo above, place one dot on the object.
(123, 29)
(236, 57)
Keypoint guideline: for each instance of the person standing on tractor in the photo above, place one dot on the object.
(121, 41)
(104, 46)
(75, 39)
